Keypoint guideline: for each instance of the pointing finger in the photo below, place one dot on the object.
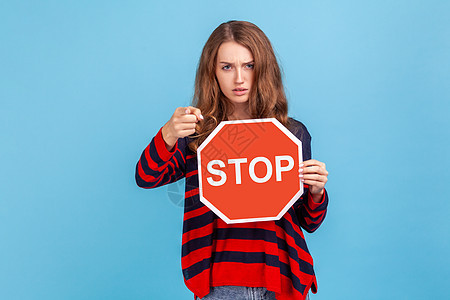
(195, 111)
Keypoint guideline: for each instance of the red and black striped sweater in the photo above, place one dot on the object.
(270, 254)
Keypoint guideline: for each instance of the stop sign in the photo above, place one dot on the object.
(248, 170)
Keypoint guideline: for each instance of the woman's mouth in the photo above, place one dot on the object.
(240, 91)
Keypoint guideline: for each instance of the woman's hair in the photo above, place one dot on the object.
(266, 99)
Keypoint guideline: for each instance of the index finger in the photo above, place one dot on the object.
(195, 111)
(313, 162)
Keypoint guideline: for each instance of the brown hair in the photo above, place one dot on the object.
(266, 99)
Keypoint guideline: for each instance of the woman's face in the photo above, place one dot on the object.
(234, 71)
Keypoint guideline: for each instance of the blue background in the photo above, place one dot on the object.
(85, 85)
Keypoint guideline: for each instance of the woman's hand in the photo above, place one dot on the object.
(314, 174)
(181, 124)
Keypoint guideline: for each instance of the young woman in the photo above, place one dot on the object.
(238, 77)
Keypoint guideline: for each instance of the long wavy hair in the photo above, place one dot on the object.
(266, 97)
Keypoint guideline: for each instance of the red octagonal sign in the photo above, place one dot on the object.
(248, 170)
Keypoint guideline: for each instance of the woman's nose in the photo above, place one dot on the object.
(239, 76)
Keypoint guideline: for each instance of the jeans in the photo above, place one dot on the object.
(239, 293)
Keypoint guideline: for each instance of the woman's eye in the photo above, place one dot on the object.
(250, 66)
(226, 67)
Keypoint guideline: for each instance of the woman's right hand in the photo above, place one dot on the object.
(181, 124)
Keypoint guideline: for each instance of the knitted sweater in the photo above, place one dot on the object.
(270, 254)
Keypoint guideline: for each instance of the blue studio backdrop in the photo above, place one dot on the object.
(85, 85)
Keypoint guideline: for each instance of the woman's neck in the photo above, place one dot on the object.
(240, 112)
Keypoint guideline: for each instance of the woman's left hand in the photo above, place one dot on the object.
(314, 173)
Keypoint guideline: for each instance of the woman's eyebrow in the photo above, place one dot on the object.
(244, 63)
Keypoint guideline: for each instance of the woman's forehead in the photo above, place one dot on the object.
(231, 51)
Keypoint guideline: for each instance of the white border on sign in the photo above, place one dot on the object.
(211, 136)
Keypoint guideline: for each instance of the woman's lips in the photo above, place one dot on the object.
(240, 91)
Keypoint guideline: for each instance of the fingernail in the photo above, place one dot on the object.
(300, 170)
(186, 111)
(300, 175)
(201, 117)
(303, 180)
(301, 165)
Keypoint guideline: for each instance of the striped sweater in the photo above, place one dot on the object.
(270, 254)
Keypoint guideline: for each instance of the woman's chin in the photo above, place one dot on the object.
(238, 100)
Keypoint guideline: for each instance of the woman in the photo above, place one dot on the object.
(238, 77)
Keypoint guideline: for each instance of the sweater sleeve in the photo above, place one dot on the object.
(309, 213)
(157, 166)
